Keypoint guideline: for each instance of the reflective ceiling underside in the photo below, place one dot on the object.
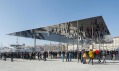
(87, 29)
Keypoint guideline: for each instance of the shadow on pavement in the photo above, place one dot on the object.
(107, 63)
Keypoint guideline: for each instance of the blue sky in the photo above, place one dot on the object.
(18, 15)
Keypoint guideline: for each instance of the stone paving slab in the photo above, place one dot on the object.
(56, 65)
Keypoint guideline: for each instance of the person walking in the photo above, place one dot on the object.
(91, 56)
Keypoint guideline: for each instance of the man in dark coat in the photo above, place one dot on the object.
(44, 55)
(0, 56)
(12, 56)
(67, 56)
(5, 56)
(79, 55)
(99, 56)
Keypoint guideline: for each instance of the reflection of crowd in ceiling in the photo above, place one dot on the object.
(87, 28)
(70, 30)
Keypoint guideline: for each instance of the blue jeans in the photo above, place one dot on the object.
(51, 56)
(62, 58)
(70, 57)
(82, 60)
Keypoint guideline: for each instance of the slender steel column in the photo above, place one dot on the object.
(17, 43)
(77, 36)
(67, 46)
(34, 41)
(73, 40)
(92, 36)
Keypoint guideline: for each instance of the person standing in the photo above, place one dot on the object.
(111, 53)
(30, 55)
(75, 54)
(103, 56)
(44, 55)
(114, 55)
(12, 56)
(79, 56)
(51, 54)
(63, 55)
(99, 56)
(67, 56)
(84, 57)
(82, 60)
(70, 56)
(38, 54)
(0, 56)
(5, 55)
(91, 56)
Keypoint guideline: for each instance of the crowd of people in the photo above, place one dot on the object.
(82, 55)
(24, 55)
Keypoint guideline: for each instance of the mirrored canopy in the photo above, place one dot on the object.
(87, 29)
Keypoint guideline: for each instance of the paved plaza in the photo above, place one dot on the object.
(56, 65)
